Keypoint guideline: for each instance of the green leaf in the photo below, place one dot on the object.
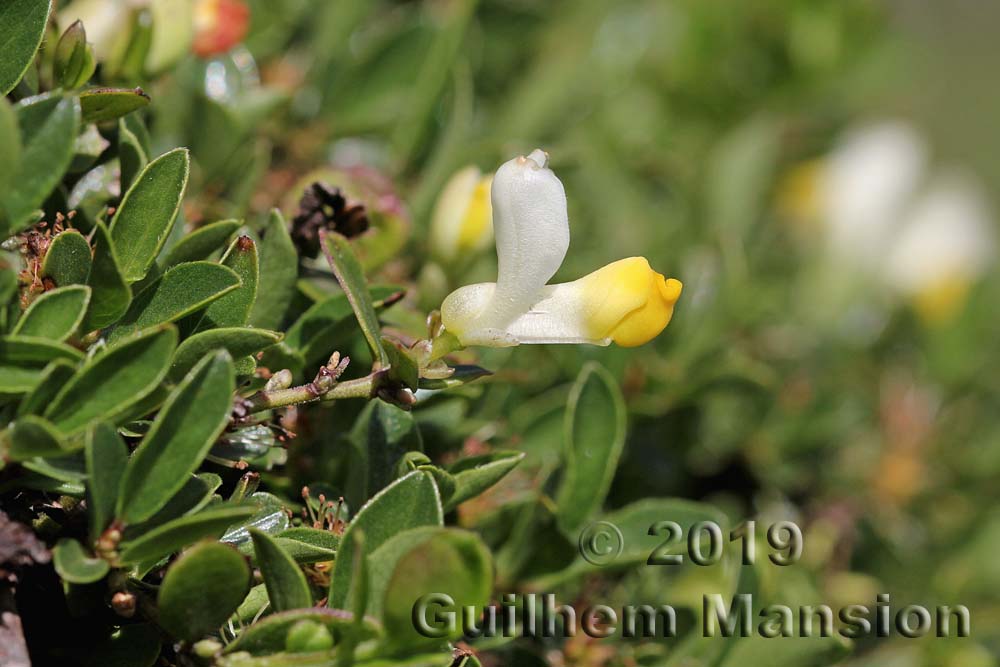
(177, 534)
(22, 25)
(115, 378)
(103, 104)
(238, 341)
(185, 429)
(634, 522)
(110, 293)
(197, 492)
(233, 309)
(55, 314)
(349, 274)
(106, 456)
(463, 375)
(202, 242)
(68, 259)
(312, 332)
(409, 502)
(268, 635)
(594, 438)
(182, 290)
(381, 436)
(48, 135)
(416, 562)
(279, 269)
(474, 474)
(202, 589)
(73, 61)
(74, 564)
(148, 210)
(15, 381)
(286, 585)
(10, 139)
(32, 436)
(309, 545)
(132, 156)
(34, 351)
(50, 382)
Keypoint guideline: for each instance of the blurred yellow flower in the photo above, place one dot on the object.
(625, 302)
(463, 217)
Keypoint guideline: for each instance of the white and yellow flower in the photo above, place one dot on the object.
(625, 302)
(462, 222)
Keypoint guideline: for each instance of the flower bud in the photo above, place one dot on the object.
(462, 222)
(74, 60)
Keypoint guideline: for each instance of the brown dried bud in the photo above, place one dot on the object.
(124, 604)
(325, 207)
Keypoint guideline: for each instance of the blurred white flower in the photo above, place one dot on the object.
(462, 222)
(625, 302)
(925, 233)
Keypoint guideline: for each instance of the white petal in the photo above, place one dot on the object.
(532, 235)
(948, 235)
(869, 180)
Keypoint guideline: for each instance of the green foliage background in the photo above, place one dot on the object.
(162, 481)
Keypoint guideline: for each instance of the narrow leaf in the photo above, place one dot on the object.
(349, 274)
(48, 133)
(106, 457)
(110, 293)
(22, 25)
(55, 314)
(474, 474)
(34, 351)
(132, 157)
(185, 429)
(594, 438)
(103, 104)
(233, 309)
(238, 341)
(279, 269)
(202, 242)
(117, 377)
(52, 380)
(31, 437)
(286, 585)
(176, 534)
(147, 212)
(182, 290)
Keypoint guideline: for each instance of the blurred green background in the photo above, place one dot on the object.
(833, 359)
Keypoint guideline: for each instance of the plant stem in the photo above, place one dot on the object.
(307, 393)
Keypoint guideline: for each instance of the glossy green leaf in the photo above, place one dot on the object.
(182, 290)
(51, 381)
(106, 456)
(68, 259)
(103, 104)
(268, 635)
(474, 474)
(22, 25)
(178, 533)
(75, 565)
(279, 269)
(238, 341)
(594, 438)
(55, 314)
(132, 156)
(16, 381)
(110, 294)
(409, 502)
(202, 589)
(233, 309)
(415, 562)
(32, 436)
(193, 417)
(143, 220)
(351, 277)
(202, 242)
(34, 351)
(48, 132)
(115, 378)
(286, 585)
(10, 139)
(381, 435)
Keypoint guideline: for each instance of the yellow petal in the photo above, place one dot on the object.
(628, 302)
